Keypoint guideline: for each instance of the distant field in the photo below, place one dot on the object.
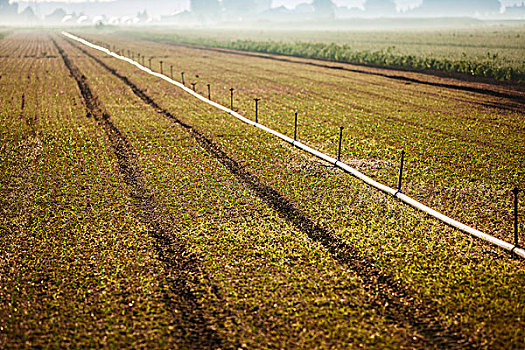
(491, 51)
(134, 216)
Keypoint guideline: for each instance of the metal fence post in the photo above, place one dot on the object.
(340, 141)
(257, 109)
(516, 191)
(209, 91)
(399, 183)
(182, 77)
(193, 86)
(295, 128)
(171, 72)
(231, 98)
(161, 72)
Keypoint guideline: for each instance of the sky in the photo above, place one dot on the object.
(401, 4)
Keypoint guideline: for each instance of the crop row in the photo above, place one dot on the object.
(269, 285)
(438, 263)
(489, 65)
(465, 171)
(77, 268)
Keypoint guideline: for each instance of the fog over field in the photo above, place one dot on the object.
(133, 12)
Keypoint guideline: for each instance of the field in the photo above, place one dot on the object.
(493, 51)
(134, 216)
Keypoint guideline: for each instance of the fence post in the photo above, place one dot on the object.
(161, 72)
(149, 60)
(171, 72)
(182, 77)
(231, 98)
(257, 109)
(516, 240)
(340, 141)
(399, 183)
(138, 57)
(193, 86)
(295, 128)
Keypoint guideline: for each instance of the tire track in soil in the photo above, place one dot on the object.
(197, 334)
(22, 106)
(29, 122)
(397, 303)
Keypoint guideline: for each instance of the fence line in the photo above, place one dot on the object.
(337, 163)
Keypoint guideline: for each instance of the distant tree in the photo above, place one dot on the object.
(7, 9)
(323, 8)
(205, 8)
(56, 16)
(28, 16)
(143, 16)
(380, 7)
(516, 11)
(28, 13)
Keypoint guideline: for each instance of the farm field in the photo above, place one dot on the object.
(135, 216)
(486, 50)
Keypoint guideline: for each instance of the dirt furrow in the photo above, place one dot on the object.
(389, 297)
(196, 333)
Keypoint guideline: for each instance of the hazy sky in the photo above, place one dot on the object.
(349, 3)
(401, 4)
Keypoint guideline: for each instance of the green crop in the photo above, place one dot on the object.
(135, 216)
(485, 52)
(464, 157)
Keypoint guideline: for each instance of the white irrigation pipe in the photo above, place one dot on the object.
(404, 198)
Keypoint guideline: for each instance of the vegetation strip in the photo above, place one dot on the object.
(412, 202)
(172, 251)
(392, 299)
